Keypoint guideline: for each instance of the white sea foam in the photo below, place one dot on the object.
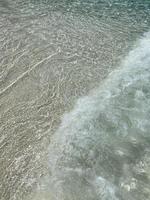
(101, 149)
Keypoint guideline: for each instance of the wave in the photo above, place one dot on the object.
(101, 150)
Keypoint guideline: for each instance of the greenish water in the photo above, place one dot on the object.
(89, 59)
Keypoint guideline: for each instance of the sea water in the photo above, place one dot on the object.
(74, 100)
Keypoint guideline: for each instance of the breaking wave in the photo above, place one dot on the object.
(102, 149)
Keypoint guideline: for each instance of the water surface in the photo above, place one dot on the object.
(52, 53)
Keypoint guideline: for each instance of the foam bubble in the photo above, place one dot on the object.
(98, 150)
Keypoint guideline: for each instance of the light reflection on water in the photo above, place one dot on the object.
(51, 53)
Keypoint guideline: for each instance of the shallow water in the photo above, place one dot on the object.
(102, 148)
(52, 53)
